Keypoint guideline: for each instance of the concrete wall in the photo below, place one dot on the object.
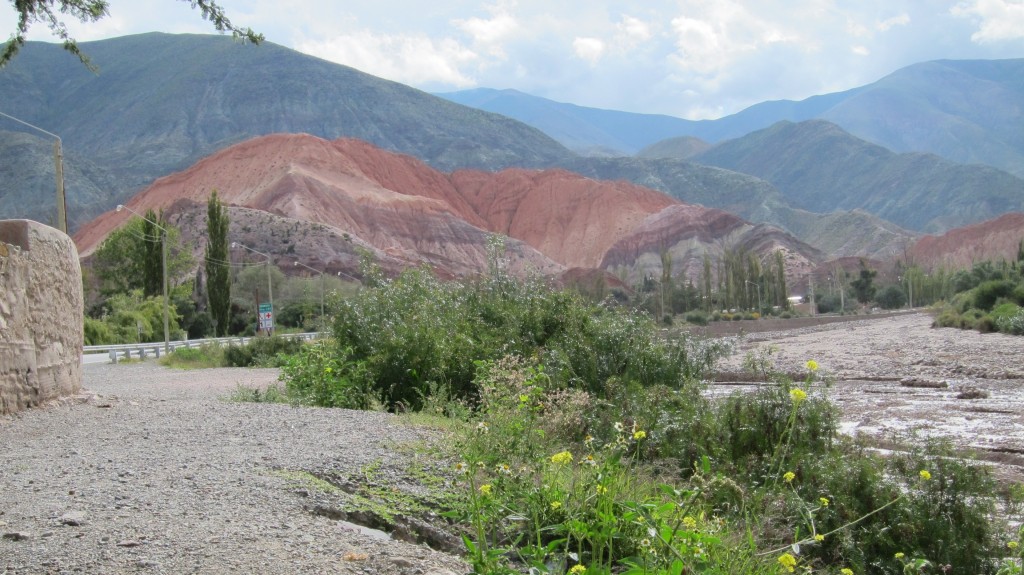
(40, 315)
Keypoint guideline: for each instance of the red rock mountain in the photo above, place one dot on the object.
(316, 201)
(961, 247)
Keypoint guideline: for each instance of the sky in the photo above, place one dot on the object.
(695, 59)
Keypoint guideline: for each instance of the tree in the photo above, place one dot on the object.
(130, 258)
(864, 286)
(218, 278)
(891, 297)
(48, 12)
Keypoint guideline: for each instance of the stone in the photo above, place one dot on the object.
(17, 536)
(73, 518)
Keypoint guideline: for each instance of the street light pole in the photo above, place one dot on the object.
(163, 249)
(321, 287)
(58, 161)
(270, 284)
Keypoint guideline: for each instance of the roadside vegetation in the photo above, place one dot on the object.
(585, 443)
(988, 298)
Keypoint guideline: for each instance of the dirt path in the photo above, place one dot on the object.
(896, 375)
(158, 474)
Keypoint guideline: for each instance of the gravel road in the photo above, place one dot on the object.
(156, 473)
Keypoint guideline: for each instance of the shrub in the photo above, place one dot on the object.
(1013, 325)
(415, 333)
(321, 375)
(261, 352)
(986, 294)
(697, 318)
(209, 355)
(891, 297)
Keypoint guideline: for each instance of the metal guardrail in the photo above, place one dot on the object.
(155, 348)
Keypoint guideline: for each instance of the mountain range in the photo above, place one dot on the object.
(302, 198)
(161, 103)
(967, 111)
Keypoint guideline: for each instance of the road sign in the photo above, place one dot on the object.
(266, 315)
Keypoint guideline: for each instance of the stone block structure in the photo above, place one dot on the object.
(40, 315)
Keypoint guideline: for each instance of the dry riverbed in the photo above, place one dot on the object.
(896, 375)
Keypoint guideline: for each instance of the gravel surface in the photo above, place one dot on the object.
(153, 471)
(897, 375)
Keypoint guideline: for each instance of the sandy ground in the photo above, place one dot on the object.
(879, 369)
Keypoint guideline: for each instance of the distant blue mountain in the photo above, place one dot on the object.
(969, 111)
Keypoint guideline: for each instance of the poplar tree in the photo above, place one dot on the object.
(218, 277)
(152, 261)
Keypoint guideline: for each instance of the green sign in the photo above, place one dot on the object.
(266, 316)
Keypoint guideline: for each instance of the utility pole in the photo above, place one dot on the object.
(58, 161)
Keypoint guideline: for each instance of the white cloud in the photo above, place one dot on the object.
(632, 31)
(489, 33)
(589, 49)
(996, 19)
(415, 60)
(860, 50)
(710, 37)
(900, 20)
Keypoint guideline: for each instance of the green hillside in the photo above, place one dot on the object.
(819, 167)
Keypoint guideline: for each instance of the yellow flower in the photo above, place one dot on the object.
(789, 476)
(601, 489)
(562, 458)
(899, 555)
(787, 561)
(819, 537)
(638, 435)
(797, 395)
(1012, 544)
(556, 504)
(846, 571)
(925, 474)
(689, 522)
(823, 501)
(485, 489)
(577, 570)
(812, 365)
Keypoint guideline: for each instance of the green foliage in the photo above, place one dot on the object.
(206, 356)
(130, 318)
(415, 332)
(262, 352)
(655, 480)
(864, 286)
(891, 297)
(319, 375)
(987, 293)
(218, 279)
(697, 318)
